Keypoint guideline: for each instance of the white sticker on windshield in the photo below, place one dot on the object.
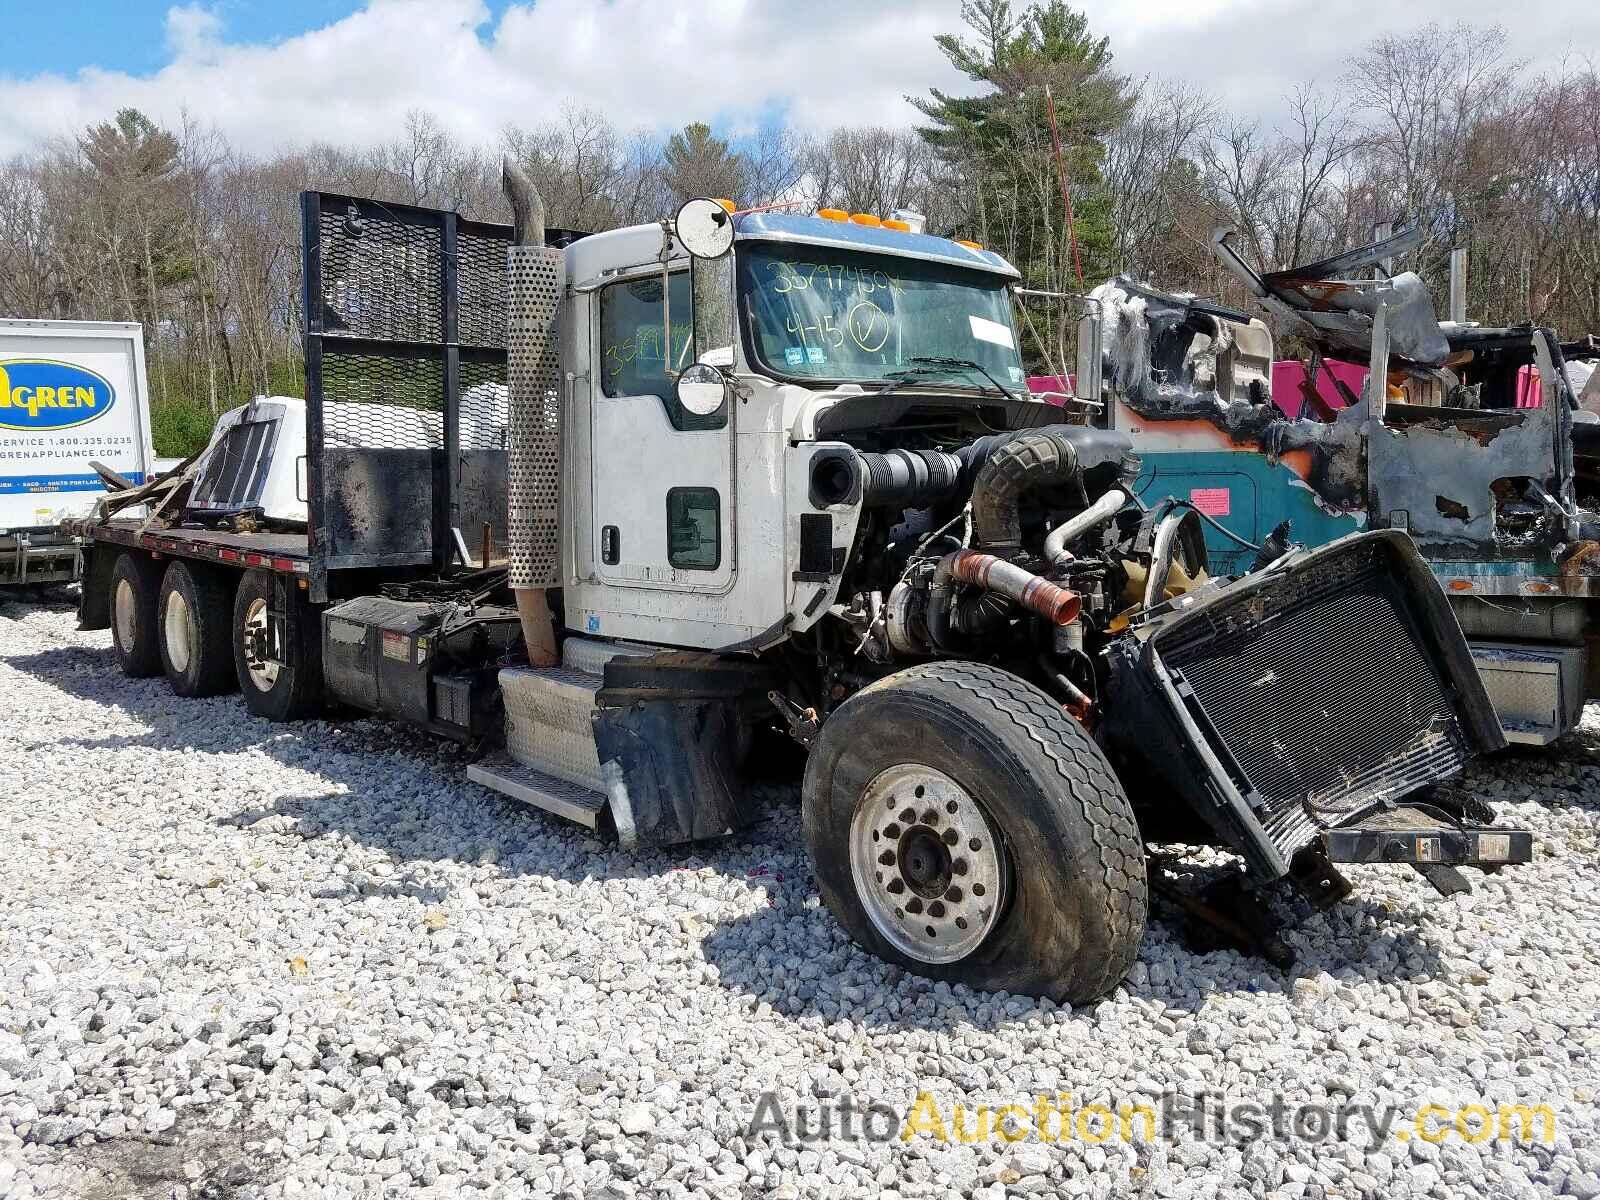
(991, 331)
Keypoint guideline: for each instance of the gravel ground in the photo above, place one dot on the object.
(242, 960)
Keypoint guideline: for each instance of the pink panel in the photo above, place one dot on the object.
(1288, 376)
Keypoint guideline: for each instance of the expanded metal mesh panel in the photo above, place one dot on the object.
(381, 275)
(534, 439)
(1321, 694)
(481, 279)
(393, 400)
(485, 405)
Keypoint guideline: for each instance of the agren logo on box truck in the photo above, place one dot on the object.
(42, 393)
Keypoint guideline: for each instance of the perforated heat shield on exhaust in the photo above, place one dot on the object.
(534, 437)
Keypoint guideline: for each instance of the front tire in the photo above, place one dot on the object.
(194, 617)
(282, 682)
(135, 583)
(963, 826)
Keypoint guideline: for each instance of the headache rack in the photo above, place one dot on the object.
(406, 398)
(1316, 693)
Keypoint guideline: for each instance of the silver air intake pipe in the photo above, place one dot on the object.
(533, 443)
(1063, 535)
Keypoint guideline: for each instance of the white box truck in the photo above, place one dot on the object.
(72, 393)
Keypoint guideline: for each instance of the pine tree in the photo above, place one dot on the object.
(997, 143)
(698, 164)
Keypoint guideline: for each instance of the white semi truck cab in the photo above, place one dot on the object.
(623, 511)
(673, 530)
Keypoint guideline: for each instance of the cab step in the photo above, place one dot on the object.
(504, 774)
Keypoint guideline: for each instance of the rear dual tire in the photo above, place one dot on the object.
(194, 618)
(135, 632)
(277, 649)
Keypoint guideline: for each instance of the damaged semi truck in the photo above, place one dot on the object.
(1470, 439)
(615, 506)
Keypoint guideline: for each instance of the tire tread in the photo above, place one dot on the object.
(1087, 779)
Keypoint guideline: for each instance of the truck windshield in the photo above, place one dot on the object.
(821, 313)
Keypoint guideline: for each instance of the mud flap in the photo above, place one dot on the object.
(669, 768)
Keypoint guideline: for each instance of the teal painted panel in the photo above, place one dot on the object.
(1244, 492)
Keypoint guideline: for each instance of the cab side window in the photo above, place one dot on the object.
(633, 358)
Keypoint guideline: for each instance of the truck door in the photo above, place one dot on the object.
(661, 476)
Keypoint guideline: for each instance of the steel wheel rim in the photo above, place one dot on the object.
(124, 609)
(928, 865)
(263, 672)
(177, 632)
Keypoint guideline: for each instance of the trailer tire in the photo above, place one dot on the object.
(288, 688)
(194, 617)
(1009, 801)
(135, 638)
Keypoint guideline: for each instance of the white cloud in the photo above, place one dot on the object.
(639, 61)
(193, 32)
(650, 64)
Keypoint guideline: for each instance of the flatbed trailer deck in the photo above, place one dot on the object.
(286, 553)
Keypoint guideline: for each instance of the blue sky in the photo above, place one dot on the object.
(128, 35)
(275, 73)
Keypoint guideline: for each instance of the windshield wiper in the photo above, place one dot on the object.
(932, 364)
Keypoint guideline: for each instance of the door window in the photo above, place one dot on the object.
(694, 528)
(633, 358)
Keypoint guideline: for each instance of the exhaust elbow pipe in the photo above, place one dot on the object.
(1057, 605)
(527, 206)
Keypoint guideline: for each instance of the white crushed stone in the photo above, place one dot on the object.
(247, 960)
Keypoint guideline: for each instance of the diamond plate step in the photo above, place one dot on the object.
(504, 774)
(548, 725)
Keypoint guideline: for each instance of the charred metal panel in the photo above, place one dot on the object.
(377, 507)
(1173, 361)
(1325, 301)
(1436, 477)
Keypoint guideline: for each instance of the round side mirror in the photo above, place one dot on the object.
(701, 389)
(705, 228)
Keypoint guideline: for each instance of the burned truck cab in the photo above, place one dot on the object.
(1468, 439)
